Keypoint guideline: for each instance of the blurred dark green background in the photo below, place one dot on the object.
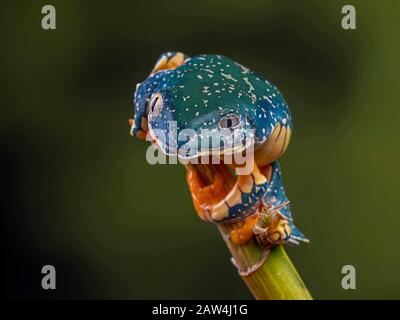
(80, 195)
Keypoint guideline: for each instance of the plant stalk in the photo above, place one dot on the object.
(277, 278)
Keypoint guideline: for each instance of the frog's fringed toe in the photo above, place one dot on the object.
(244, 272)
(271, 229)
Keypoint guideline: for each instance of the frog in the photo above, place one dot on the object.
(215, 93)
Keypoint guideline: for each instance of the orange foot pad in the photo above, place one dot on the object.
(244, 233)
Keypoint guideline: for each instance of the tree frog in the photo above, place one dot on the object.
(216, 93)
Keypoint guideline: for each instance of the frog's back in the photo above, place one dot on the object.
(218, 82)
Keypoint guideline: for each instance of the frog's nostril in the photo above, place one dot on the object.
(229, 122)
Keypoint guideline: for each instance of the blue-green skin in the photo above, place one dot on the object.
(199, 93)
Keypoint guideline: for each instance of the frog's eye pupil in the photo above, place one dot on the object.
(229, 122)
(154, 103)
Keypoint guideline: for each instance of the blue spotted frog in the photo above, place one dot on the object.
(216, 93)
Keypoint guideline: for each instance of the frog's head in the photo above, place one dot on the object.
(190, 112)
(184, 123)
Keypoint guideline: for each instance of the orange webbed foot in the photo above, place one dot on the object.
(243, 234)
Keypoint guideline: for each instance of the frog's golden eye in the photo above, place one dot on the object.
(230, 121)
(156, 104)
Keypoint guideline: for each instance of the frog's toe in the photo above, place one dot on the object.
(244, 233)
(169, 60)
(246, 271)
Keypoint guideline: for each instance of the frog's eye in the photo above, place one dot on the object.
(229, 122)
(156, 104)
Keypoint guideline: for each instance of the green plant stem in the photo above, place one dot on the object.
(276, 279)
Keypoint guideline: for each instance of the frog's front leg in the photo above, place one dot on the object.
(245, 232)
(213, 203)
(204, 195)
